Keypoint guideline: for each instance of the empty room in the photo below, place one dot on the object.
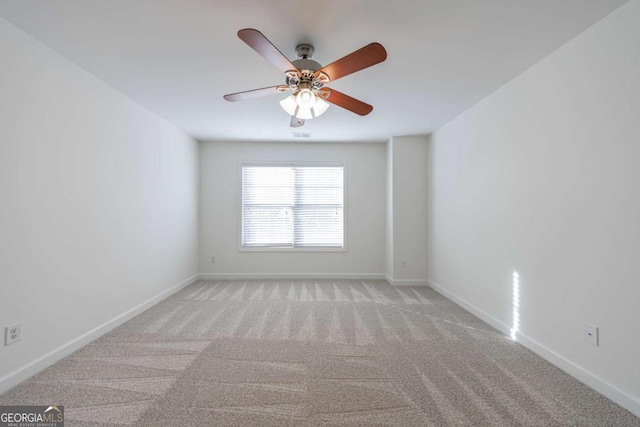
(353, 213)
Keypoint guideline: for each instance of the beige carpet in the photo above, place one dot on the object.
(300, 353)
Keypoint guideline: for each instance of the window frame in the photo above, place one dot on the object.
(242, 248)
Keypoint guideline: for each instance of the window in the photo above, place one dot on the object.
(288, 207)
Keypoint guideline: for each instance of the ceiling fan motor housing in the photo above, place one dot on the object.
(307, 79)
(304, 61)
(306, 64)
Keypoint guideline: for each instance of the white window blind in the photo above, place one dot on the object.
(292, 206)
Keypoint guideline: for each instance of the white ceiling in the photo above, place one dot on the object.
(179, 57)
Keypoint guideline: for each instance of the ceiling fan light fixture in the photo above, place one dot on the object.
(293, 108)
(307, 78)
(289, 105)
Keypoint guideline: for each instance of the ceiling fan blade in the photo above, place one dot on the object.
(256, 93)
(347, 102)
(362, 58)
(256, 40)
(296, 122)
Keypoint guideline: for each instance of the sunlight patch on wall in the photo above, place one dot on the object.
(516, 306)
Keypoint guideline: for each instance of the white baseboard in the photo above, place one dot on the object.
(497, 324)
(16, 377)
(627, 401)
(405, 282)
(291, 276)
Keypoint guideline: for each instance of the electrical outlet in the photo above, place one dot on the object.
(12, 333)
(404, 264)
(590, 333)
(213, 260)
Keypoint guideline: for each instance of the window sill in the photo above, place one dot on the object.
(310, 249)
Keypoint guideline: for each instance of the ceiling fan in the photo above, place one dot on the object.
(307, 79)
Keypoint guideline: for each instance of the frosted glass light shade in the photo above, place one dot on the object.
(289, 105)
(306, 98)
(304, 113)
(320, 107)
(304, 105)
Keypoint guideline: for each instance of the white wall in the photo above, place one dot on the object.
(389, 214)
(220, 210)
(408, 157)
(542, 178)
(98, 203)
